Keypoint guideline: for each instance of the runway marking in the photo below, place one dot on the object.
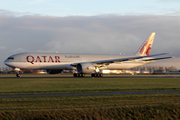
(86, 94)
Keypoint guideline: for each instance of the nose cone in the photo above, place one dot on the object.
(6, 62)
(9, 61)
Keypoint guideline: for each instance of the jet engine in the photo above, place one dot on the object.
(49, 71)
(85, 68)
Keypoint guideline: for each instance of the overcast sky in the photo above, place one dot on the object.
(96, 26)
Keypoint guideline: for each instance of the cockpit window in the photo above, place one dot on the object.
(10, 58)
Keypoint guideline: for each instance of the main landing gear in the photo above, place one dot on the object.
(78, 75)
(96, 75)
(92, 75)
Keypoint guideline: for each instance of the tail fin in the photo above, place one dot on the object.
(145, 49)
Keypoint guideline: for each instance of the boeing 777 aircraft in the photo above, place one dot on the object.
(83, 63)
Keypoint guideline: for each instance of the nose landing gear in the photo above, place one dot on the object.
(18, 75)
(17, 72)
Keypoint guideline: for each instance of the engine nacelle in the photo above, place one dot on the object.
(53, 71)
(85, 68)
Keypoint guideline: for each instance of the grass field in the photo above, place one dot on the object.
(144, 106)
(85, 85)
(153, 106)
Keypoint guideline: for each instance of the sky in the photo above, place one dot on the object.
(96, 26)
(91, 7)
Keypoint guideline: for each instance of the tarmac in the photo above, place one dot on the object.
(105, 76)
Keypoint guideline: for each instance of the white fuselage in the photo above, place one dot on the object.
(65, 61)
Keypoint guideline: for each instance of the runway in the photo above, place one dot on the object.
(89, 94)
(106, 76)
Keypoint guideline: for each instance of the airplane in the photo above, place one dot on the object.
(93, 64)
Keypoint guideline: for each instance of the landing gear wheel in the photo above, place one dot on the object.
(96, 75)
(75, 74)
(78, 75)
(18, 75)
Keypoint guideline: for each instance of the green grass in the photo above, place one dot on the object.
(152, 106)
(165, 112)
(142, 106)
(85, 85)
(86, 102)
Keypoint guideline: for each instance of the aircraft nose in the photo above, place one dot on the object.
(6, 62)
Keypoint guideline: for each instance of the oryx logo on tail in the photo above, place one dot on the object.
(145, 49)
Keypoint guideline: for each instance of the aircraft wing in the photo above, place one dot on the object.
(157, 58)
(107, 62)
(126, 59)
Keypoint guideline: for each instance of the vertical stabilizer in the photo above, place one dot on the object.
(145, 49)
